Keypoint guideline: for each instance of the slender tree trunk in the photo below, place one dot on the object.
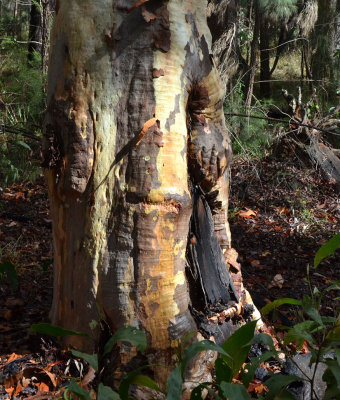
(15, 18)
(253, 58)
(222, 22)
(305, 45)
(47, 10)
(34, 34)
(265, 73)
(321, 60)
(134, 128)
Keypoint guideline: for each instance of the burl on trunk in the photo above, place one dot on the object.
(135, 145)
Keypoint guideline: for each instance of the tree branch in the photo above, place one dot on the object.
(292, 120)
(18, 131)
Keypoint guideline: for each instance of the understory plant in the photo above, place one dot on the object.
(234, 368)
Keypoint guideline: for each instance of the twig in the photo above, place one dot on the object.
(281, 120)
(18, 131)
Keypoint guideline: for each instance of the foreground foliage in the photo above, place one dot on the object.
(234, 368)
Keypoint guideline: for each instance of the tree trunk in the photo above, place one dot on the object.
(265, 73)
(47, 10)
(134, 127)
(253, 57)
(321, 60)
(34, 34)
(222, 22)
(15, 19)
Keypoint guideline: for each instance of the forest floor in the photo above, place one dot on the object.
(280, 214)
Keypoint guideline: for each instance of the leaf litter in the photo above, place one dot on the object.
(279, 217)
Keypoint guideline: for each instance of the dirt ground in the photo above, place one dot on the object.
(280, 214)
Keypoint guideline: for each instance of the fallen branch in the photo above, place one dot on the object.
(18, 131)
(291, 121)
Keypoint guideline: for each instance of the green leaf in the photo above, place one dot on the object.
(79, 391)
(54, 330)
(8, 268)
(327, 249)
(196, 394)
(284, 395)
(129, 380)
(278, 382)
(174, 384)
(279, 302)
(334, 334)
(23, 144)
(92, 359)
(129, 334)
(199, 346)
(223, 371)
(237, 346)
(312, 312)
(234, 392)
(265, 339)
(144, 380)
(106, 393)
(301, 332)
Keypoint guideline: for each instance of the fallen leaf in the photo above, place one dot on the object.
(283, 210)
(254, 263)
(13, 357)
(248, 213)
(42, 387)
(319, 206)
(18, 388)
(12, 224)
(89, 377)
(9, 391)
(276, 282)
(257, 387)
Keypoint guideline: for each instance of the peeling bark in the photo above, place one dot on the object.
(134, 122)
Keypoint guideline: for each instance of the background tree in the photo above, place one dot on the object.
(322, 61)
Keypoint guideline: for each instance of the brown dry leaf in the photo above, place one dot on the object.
(278, 228)
(89, 377)
(319, 206)
(254, 263)
(18, 388)
(276, 282)
(10, 225)
(13, 357)
(42, 387)
(261, 389)
(51, 365)
(248, 213)
(9, 391)
(283, 210)
(147, 125)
